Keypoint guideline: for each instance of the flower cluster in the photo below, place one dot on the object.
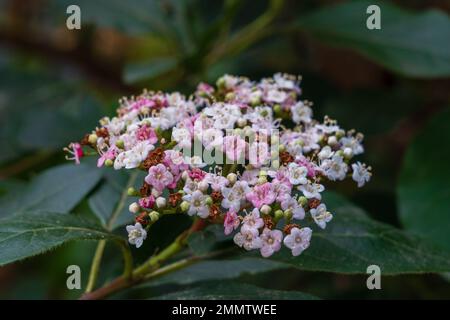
(225, 154)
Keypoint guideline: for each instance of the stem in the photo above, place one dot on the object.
(139, 274)
(128, 259)
(95, 265)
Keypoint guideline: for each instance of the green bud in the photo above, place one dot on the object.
(154, 216)
(229, 96)
(109, 163)
(120, 144)
(184, 206)
(278, 215)
(255, 101)
(277, 108)
(340, 134)
(303, 201)
(132, 192)
(288, 214)
(209, 201)
(220, 82)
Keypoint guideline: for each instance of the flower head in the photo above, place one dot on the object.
(136, 234)
(298, 240)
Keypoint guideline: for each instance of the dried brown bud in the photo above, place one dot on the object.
(313, 203)
(287, 228)
(268, 222)
(155, 157)
(286, 157)
(145, 190)
(143, 218)
(216, 196)
(174, 198)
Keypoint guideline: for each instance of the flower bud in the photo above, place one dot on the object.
(262, 173)
(288, 214)
(241, 122)
(109, 163)
(348, 153)
(208, 201)
(120, 144)
(340, 134)
(161, 202)
(303, 201)
(278, 214)
(282, 148)
(154, 216)
(132, 192)
(203, 186)
(92, 139)
(230, 96)
(185, 175)
(262, 179)
(184, 206)
(275, 164)
(265, 209)
(255, 101)
(134, 207)
(232, 177)
(332, 140)
(277, 108)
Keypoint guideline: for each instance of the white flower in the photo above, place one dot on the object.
(298, 240)
(352, 143)
(252, 221)
(321, 216)
(301, 113)
(335, 168)
(297, 210)
(137, 154)
(195, 161)
(325, 153)
(182, 136)
(312, 190)
(361, 174)
(283, 82)
(276, 96)
(297, 174)
(248, 239)
(212, 138)
(216, 181)
(136, 234)
(270, 242)
(198, 204)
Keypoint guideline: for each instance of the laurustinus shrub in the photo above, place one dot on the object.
(245, 154)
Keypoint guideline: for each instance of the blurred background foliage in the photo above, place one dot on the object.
(392, 84)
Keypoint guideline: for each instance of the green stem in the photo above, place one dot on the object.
(128, 261)
(95, 265)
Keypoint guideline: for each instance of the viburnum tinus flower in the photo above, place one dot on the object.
(244, 154)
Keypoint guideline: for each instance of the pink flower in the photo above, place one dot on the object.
(108, 155)
(140, 103)
(252, 221)
(76, 151)
(146, 133)
(271, 242)
(159, 177)
(262, 194)
(234, 147)
(147, 202)
(197, 174)
(308, 165)
(231, 222)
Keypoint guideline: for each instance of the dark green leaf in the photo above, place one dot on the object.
(109, 203)
(424, 189)
(58, 189)
(32, 233)
(352, 241)
(234, 291)
(201, 242)
(413, 44)
(217, 270)
(139, 71)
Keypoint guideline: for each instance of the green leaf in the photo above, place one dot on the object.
(424, 189)
(109, 203)
(201, 242)
(36, 232)
(409, 43)
(352, 241)
(139, 71)
(233, 291)
(58, 189)
(217, 270)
